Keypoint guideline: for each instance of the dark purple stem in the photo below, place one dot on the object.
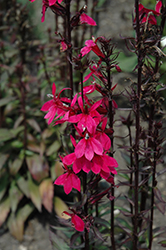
(137, 115)
(153, 186)
(69, 41)
(85, 211)
(112, 233)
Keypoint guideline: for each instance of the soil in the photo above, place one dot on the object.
(114, 20)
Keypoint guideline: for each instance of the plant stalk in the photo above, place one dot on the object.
(69, 41)
(137, 135)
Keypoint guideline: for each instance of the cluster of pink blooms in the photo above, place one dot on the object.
(91, 148)
(91, 143)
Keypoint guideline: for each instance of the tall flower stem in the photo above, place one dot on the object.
(131, 165)
(156, 134)
(112, 233)
(137, 135)
(86, 212)
(69, 41)
(82, 94)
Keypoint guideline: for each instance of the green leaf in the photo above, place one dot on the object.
(46, 190)
(5, 134)
(163, 243)
(23, 185)
(15, 196)
(3, 159)
(15, 166)
(123, 223)
(4, 210)
(102, 222)
(6, 100)
(8, 134)
(34, 124)
(59, 207)
(34, 193)
(16, 223)
(38, 167)
(17, 144)
(4, 182)
(18, 121)
(17, 130)
(47, 133)
(58, 243)
(53, 148)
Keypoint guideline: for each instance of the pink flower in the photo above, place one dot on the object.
(54, 6)
(93, 162)
(89, 118)
(55, 106)
(69, 180)
(77, 222)
(84, 18)
(102, 137)
(64, 46)
(88, 146)
(145, 14)
(95, 71)
(52, 2)
(91, 45)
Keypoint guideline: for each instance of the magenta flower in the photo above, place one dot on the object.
(95, 71)
(52, 2)
(89, 118)
(77, 222)
(69, 180)
(102, 137)
(88, 146)
(84, 18)
(145, 14)
(54, 5)
(93, 162)
(92, 45)
(55, 106)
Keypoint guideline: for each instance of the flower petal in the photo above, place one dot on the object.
(61, 179)
(89, 153)
(78, 223)
(76, 183)
(84, 18)
(80, 148)
(97, 146)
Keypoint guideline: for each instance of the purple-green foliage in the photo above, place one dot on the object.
(27, 151)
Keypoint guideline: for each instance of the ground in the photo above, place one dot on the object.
(114, 20)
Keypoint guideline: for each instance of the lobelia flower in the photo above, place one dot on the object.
(92, 45)
(52, 2)
(95, 162)
(82, 18)
(146, 14)
(95, 71)
(56, 105)
(89, 118)
(54, 6)
(102, 137)
(76, 221)
(88, 146)
(69, 180)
